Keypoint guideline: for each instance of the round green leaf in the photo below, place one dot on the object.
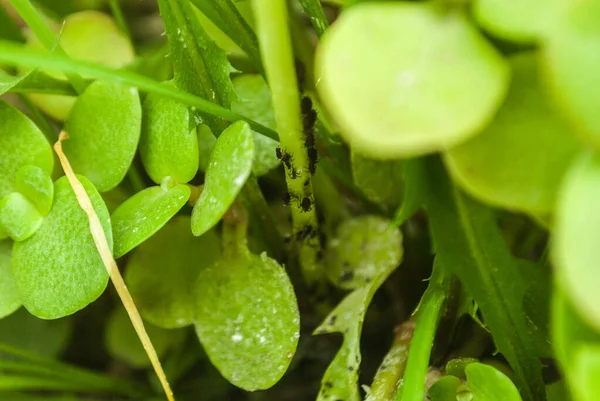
(42, 337)
(142, 215)
(436, 87)
(380, 180)
(363, 248)
(19, 218)
(518, 20)
(444, 389)
(518, 161)
(254, 101)
(21, 144)
(36, 184)
(90, 36)
(577, 235)
(123, 343)
(247, 319)
(489, 384)
(206, 143)
(58, 270)
(229, 166)
(104, 129)
(9, 296)
(572, 56)
(168, 145)
(161, 273)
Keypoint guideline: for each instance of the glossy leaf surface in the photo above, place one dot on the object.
(19, 218)
(161, 273)
(247, 319)
(576, 237)
(21, 144)
(433, 89)
(518, 161)
(9, 296)
(168, 144)
(229, 166)
(58, 271)
(142, 215)
(104, 130)
(36, 184)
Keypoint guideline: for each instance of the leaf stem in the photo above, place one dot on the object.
(278, 60)
(111, 266)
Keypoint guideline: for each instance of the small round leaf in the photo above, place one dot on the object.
(142, 215)
(247, 319)
(104, 129)
(36, 184)
(162, 272)
(518, 161)
(168, 145)
(58, 270)
(21, 144)
(19, 218)
(406, 79)
(229, 166)
(9, 296)
(489, 384)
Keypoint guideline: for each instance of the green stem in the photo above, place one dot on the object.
(428, 314)
(117, 13)
(278, 60)
(17, 55)
(45, 35)
(316, 14)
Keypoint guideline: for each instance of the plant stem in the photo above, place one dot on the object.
(428, 314)
(43, 32)
(117, 13)
(316, 14)
(278, 60)
(17, 55)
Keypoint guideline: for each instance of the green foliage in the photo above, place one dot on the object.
(19, 218)
(9, 296)
(36, 184)
(378, 179)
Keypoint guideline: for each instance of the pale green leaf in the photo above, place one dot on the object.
(104, 130)
(58, 270)
(229, 166)
(489, 384)
(433, 89)
(19, 218)
(247, 319)
(444, 389)
(586, 370)
(142, 215)
(36, 184)
(21, 143)
(518, 161)
(168, 144)
(161, 273)
(9, 296)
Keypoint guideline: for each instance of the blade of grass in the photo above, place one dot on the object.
(315, 12)
(117, 13)
(17, 55)
(111, 266)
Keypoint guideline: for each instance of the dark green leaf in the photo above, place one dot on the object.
(104, 130)
(161, 273)
(36, 184)
(380, 180)
(8, 28)
(228, 169)
(9, 296)
(444, 389)
(315, 12)
(58, 270)
(142, 215)
(413, 191)
(19, 218)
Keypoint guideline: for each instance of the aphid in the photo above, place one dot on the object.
(332, 320)
(312, 160)
(285, 158)
(309, 118)
(306, 204)
(307, 232)
(346, 276)
(287, 198)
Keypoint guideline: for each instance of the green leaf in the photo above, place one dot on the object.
(206, 143)
(228, 169)
(489, 384)
(518, 161)
(254, 101)
(36, 184)
(586, 371)
(19, 218)
(576, 237)
(314, 10)
(123, 343)
(444, 389)
(34, 82)
(8, 28)
(468, 241)
(435, 88)
(247, 318)
(168, 144)
(58, 270)
(363, 249)
(572, 54)
(200, 66)
(10, 299)
(42, 337)
(161, 273)
(456, 367)
(380, 180)
(412, 192)
(90, 36)
(142, 215)
(341, 378)
(104, 129)
(519, 21)
(21, 143)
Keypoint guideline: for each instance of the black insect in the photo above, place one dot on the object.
(309, 118)
(312, 160)
(287, 198)
(306, 204)
(307, 232)
(285, 158)
(346, 276)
